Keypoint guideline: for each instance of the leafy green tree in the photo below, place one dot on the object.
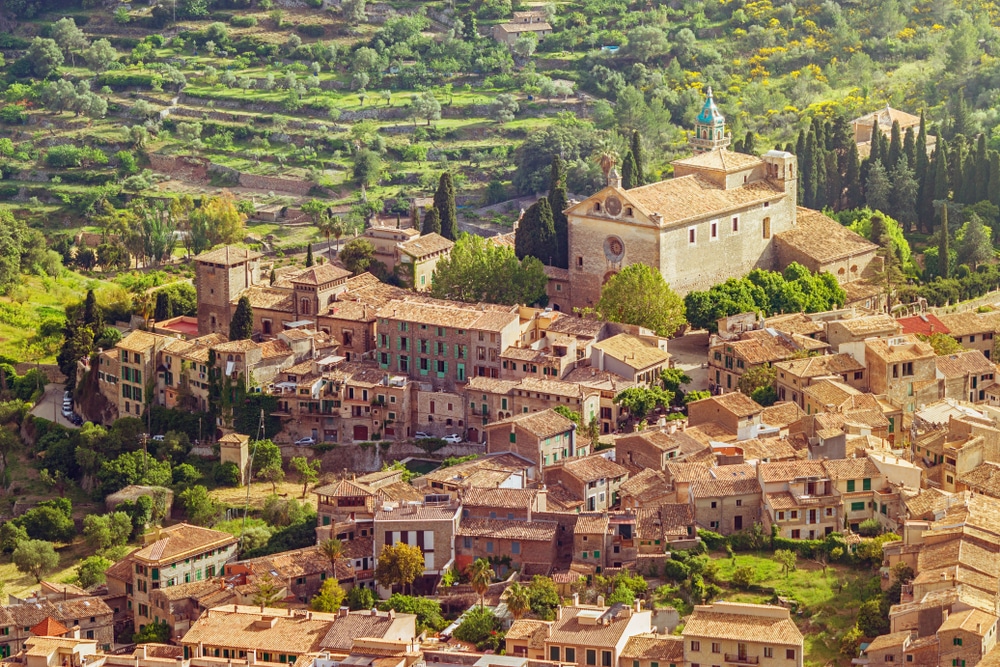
(872, 620)
(743, 576)
(11, 535)
(671, 379)
(755, 378)
(479, 271)
(482, 628)
(91, 570)
(974, 243)
(329, 598)
(640, 401)
(943, 344)
(99, 55)
(786, 558)
(104, 531)
(69, 37)
(639, 295)
(201, 508)
(878, 187)
(266, 462)
(241, 325)
(399, 564)
(628, 172)
(427, 611)
(358, 255)
(444, 203)
(368, 167)
(157, 632)
(361, 598)
(35, 557)
(269, 592)
(308, 471)
(518, 600)
(45, 56)
(425, 106)
(49, 520)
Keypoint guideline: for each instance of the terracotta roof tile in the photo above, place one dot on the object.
(720, 159)
(911, 350)
(662, 648)
(925, 324)
(870, 325)
(509, 529)
(704, 622)
(320, 274)
(964, 364)
(693, 196)
(782, 471)
(499, 498)
(828, 364)
(823, 239)
(592, 468)
(782, 414)
(228, 255)
(735, 402)
(180, 541)
(633, 351)
(544, 424)
(970, 322)
(426, 245)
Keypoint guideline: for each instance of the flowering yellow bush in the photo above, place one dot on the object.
(906, 34)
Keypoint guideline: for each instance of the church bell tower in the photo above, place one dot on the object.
(710, 128)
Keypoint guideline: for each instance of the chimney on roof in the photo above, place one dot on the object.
(576, 599)
(600, 600)
(559, 611)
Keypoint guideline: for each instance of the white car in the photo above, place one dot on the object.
(158, 438)
(67, 412)
(305, 442)
(452, 438)
(420, 435)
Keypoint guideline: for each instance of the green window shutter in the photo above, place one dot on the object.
(513, 437)
(866, 485)
(850, 486)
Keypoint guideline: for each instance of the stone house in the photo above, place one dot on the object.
(740, 633)
(557, 289)
(508, 33)
(501, 503)
(646, 488)
(346, 508)
(853, 331)
(126, 371)
(729, 501)
(181, 605)
(799, 498)
(794, 375)
(441, 413)
(543, 438)
(652, 650)
(506, 543)
(730, 357)
(444, 345)
(235, 448)
(965, 375)
(183, 380)
(431, 525)
(420, 256)
(609, 385)
(653, 449)
(385, 240)
(490, 471)
(491, 400)
(836, 250)
(972, 330)
(581, 635)
(301, 572)
(85, 617)
(737, 413)
(903, 369)
(864, 491)
(593, 478)
(177, 554)
(631, 357)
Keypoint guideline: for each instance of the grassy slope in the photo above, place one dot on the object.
(829, 602)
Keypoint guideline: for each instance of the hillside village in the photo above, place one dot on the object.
(347, 334)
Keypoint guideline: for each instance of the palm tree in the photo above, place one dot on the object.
(518, 600)
(338, 231)
(607, 160)
(480, 576)
(333, 549)
(325, 225)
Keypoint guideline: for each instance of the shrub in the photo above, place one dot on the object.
(228, 474)
(243, 21)
(13, 114)
(311, 30)
(870, 527)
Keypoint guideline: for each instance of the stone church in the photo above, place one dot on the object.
(722, 215)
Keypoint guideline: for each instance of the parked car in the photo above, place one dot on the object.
(305, 442)
(420, 435)
(67, 412)
(158, 438)
(452, 438)
(76, 419)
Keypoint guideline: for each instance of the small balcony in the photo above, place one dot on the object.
(742, 659)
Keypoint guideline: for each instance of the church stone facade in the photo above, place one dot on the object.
(715, 219)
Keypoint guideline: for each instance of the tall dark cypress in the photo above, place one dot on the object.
(444, 202)
(956, 164)
(800, 153)
(558, 203)
(994, 187)
(982, 171)
(807, 166)
(910, 147)
(628, 171)
(920, 158)
(942, 185)
(309, 255)
(432, 222)
(640, 160)
(819, 179)
(969, 180)
(944, 263)
(536, 234)
(876, 143)
(852, 178)
(895, 147)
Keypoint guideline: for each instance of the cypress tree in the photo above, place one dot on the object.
(789, 148)
(432, 221)
(970, 180)
(640, 162)
(961, 122)
(920, 150)
(819, 179)
(91, 311)
(749, 145)
(808, 168)
(876, 143)
(944, 263)
(164, 309)
(444, 202)
(274, 276)
(982, 171)
(895, 147)
(909, 146)
(628, 171)
(834, 184)
(852, 178)
(241, 326)
(956, 163)
(800, 153)
(994, 187)
(941, 183)
(558, 203)
(536, 234)
(309, 255)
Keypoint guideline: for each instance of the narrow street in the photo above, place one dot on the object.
(690, 353)
(49, 406)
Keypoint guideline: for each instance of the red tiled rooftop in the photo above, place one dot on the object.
(922, 324)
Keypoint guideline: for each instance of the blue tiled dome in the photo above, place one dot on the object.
(710, 114)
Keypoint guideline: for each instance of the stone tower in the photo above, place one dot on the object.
(221, 275)
(710, 128)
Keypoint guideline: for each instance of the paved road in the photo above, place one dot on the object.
(690, 352)
(50, 405)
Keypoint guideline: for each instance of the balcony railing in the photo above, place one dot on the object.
(742, 659)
